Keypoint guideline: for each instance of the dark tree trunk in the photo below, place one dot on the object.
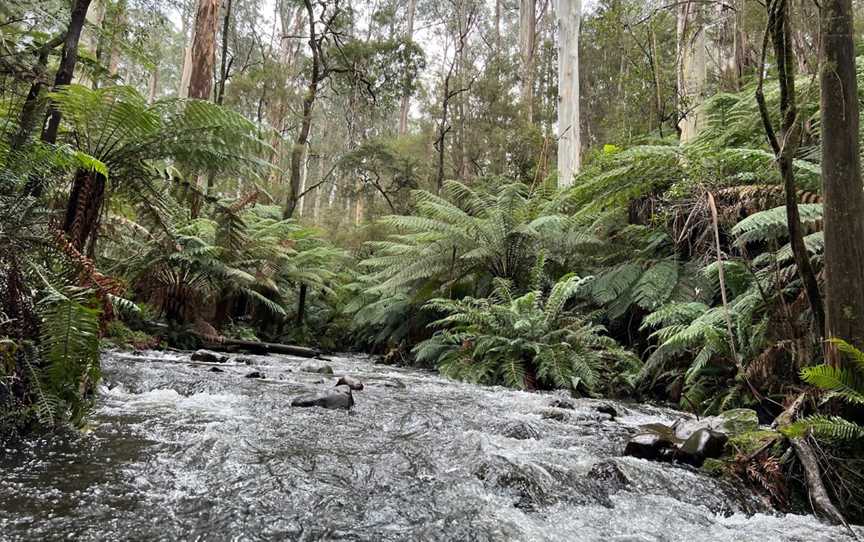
(299, 148)
(83, 209)
(68, 59)
(301, 305)
(842, 196)
(225, 65)
(786, 146)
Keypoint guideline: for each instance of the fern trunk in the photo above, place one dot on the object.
(83, 209)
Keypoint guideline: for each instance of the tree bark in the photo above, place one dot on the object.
(406, 98)
(569, 133)
(225, 66)
(299, 148)
(66, 70)
(527, 39)
(203, 55)
(692, 67)
(842, 196)
(786, 146)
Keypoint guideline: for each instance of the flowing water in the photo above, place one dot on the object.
(177, 452)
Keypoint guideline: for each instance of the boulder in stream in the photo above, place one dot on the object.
(351, 382)
(691, 441)
(207, 356)
(339, 397)
(255, 374)
(651, 446)
(701, 445)
(316, 367)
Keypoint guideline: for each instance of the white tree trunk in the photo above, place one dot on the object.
(692, 67)
(304, 171)
(406, 99)
(569, 137)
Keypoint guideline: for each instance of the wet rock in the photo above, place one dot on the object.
(315, 367)
(606, 408)
(255, 374)
(206, 356)
(521, 431)
(739, 420)
(351, 382)
(216, 370)
(529, 484)
(652, 446)
(701, 445)
(556, 414)
(337, 398)
(566, 404)
(245, 361)
(606, 478)
(732, 423)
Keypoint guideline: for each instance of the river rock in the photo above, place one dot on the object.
(255, 374)
(606, 408)
(315, 367)
(652, 446)
(216, 370)
(244, 360)
(557, 414)
(337, 398)
(206, 356)
(352, 383)
(520, 430)
(703, 444)
(566, 404)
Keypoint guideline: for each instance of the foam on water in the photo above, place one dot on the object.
(177, 452)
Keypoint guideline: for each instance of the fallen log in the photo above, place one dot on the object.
(223, 344)
(819, 498)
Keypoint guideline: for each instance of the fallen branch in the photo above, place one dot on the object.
(256, 347)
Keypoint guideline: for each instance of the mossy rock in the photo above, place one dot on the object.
(738, 421)
(750, 441)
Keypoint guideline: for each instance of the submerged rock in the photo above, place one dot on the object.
(566, 404)
(207, 356)
(521, 431)
(557, 414)
(315, 367)
(216, 370)
(244, 360)
(255, 374)
(351, 382)
(339, 397)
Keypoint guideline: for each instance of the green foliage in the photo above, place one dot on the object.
(523, 342)
(845, 382)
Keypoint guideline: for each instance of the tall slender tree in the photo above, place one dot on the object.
(569, 133)
(692, 66)
(843, 199)
(405, 105)
(527, 40)
(68, 60)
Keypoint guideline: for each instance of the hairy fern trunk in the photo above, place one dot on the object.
(83, 209)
